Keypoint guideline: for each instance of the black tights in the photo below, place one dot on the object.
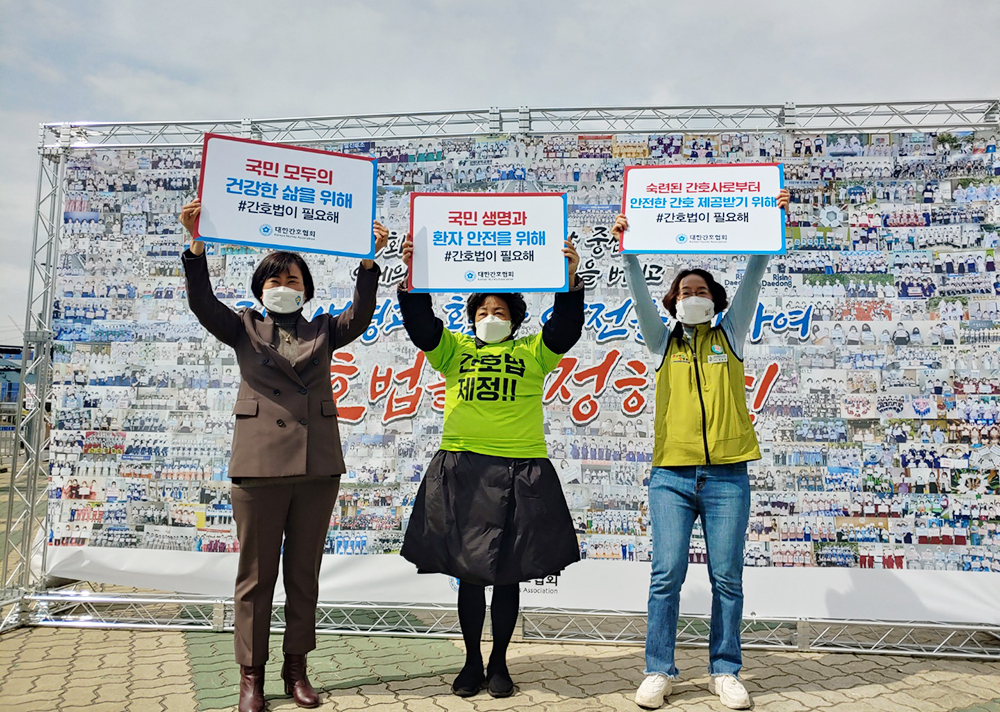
(472, 614)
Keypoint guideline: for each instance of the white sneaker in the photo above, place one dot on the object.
(730, 691)
(652, 691)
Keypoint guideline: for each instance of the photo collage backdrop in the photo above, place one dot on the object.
(872, 371)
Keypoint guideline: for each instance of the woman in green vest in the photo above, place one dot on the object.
(490, 511)
(703, 442)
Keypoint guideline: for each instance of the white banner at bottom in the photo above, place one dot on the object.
(843, 594)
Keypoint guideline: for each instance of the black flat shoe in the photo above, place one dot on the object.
(469, 682)
(500, 684)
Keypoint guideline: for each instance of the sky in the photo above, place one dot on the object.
(112, 60)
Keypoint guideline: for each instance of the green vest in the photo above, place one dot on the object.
(701, 407)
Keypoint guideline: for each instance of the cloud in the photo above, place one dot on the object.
(129, 92)
(192, 59)
(18, 181)
(13, 296)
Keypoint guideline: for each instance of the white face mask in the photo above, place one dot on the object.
(282, 300)
(695, 310)
(492, 329)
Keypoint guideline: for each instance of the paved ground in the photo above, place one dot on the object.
(67, 670)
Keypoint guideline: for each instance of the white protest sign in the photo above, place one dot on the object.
(697, 208)
(286, 197)
(488, 242)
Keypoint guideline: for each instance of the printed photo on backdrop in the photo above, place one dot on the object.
(704, 208)
(286, 197)
(488, 242)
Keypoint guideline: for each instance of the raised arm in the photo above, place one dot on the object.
(417, 310)
(654, 332)
(221, 321)
(352, 322)
(564, 327)
(736, 323)
(423, 328)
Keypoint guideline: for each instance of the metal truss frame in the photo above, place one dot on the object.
(88, 609)
(27, 477)
(10, 613)
(876, 117)
(24, 598)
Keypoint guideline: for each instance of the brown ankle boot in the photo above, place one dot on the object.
(251, 688)
(293, 672)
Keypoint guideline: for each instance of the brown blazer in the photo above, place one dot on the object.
(286, 418)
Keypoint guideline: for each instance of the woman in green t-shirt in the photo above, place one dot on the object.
(490, 511)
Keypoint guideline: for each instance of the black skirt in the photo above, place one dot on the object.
(490, 520)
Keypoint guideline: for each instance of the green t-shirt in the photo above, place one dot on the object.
(493, 399)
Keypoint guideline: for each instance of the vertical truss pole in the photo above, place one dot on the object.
(31, 432)
(787, 117)
(992, 116)
(524, 120)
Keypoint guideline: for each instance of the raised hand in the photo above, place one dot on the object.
(620, 226)
(189, 219)
(381, 234)
(572, 258)
(406, 251)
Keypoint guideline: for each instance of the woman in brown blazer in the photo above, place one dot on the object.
(287, 459)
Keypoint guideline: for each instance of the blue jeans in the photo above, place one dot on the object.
(720, 495)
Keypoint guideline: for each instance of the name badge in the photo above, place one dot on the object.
(718, 358)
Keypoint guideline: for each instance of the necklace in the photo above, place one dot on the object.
(288, 338)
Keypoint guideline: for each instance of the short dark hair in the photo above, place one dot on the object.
(717, 290)
(514, 301)
(275, 264)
